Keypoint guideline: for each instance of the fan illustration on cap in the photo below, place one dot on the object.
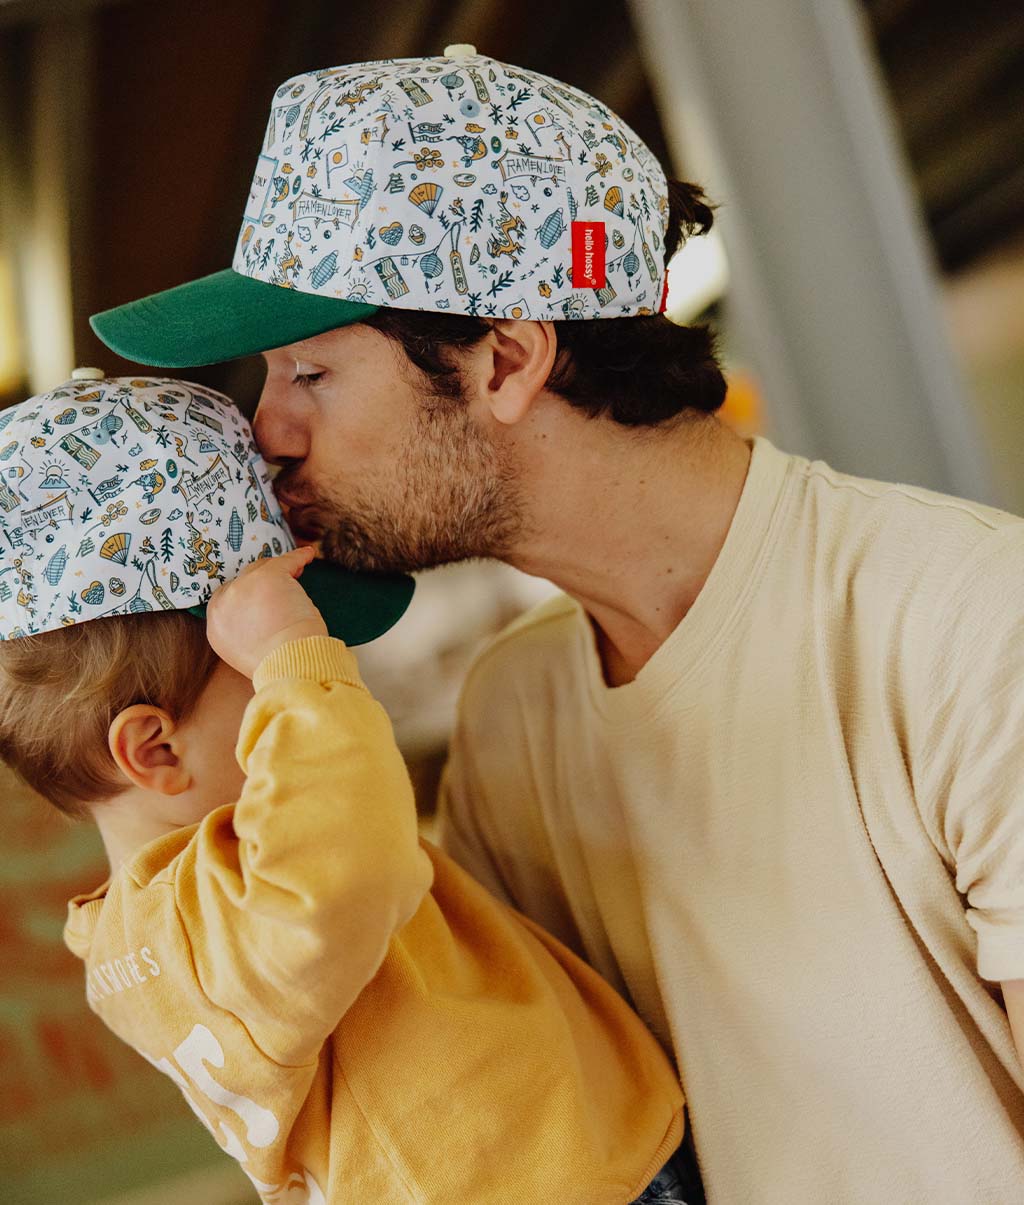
(120, 497)
(458, 184)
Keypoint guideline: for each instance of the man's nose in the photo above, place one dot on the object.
(275, 436)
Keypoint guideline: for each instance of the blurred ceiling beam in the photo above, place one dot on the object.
(955, 73)
(979, 55)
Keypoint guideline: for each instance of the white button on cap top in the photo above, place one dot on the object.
(459, 50)
(88, 374)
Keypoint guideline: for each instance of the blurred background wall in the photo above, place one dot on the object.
(866, 277)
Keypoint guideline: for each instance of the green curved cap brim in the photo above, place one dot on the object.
(219, 317)
(356, 607)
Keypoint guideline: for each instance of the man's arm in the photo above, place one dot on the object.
(970, 757)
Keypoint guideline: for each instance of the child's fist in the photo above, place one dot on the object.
(264, 607)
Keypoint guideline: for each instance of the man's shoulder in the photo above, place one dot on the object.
(529, 648)
(879, 531)
(895, 506)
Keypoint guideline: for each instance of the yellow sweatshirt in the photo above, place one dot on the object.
(353, 1017)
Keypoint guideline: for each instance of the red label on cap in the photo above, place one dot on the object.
(588, 255)
(664, 295)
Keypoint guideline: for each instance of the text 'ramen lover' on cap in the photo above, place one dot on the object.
(122, 496)
(455, 184)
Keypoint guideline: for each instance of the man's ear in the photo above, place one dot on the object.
(516, 362)
(142, 744)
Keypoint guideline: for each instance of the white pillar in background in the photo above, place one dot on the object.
(777, 108)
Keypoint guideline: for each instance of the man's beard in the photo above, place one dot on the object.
(453, 497)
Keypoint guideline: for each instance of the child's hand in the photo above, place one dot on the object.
(261, 609)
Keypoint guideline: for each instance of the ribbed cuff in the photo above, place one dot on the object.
(313, 659)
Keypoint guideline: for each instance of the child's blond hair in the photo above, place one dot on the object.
(60, 690)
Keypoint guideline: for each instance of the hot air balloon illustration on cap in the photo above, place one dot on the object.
(55, 568)
(235, 531)
(115, 548)
(613, 200)
(425, 196)
(324, 270)
(551, 229)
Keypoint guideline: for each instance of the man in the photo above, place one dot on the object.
(762, 762)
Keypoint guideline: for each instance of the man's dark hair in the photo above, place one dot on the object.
(639, 371)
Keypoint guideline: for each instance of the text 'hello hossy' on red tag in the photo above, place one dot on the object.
(588, 270)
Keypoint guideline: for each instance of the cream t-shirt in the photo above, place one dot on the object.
(796, 840)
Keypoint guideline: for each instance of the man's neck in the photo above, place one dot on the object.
(632, 527)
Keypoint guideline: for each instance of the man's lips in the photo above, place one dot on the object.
(285, 496)
(300, 516)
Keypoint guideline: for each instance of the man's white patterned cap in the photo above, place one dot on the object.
(123, 496)
(457, 184)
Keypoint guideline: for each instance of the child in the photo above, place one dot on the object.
(353, 1017)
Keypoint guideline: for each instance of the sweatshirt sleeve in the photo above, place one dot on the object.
(290, 898)
(972, 764)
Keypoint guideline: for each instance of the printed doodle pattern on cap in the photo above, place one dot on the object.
(452, 184)
(123, 496)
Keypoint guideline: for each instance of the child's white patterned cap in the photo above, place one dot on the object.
(455, 184)
(123, 496)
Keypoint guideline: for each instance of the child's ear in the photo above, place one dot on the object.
(142, 743)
